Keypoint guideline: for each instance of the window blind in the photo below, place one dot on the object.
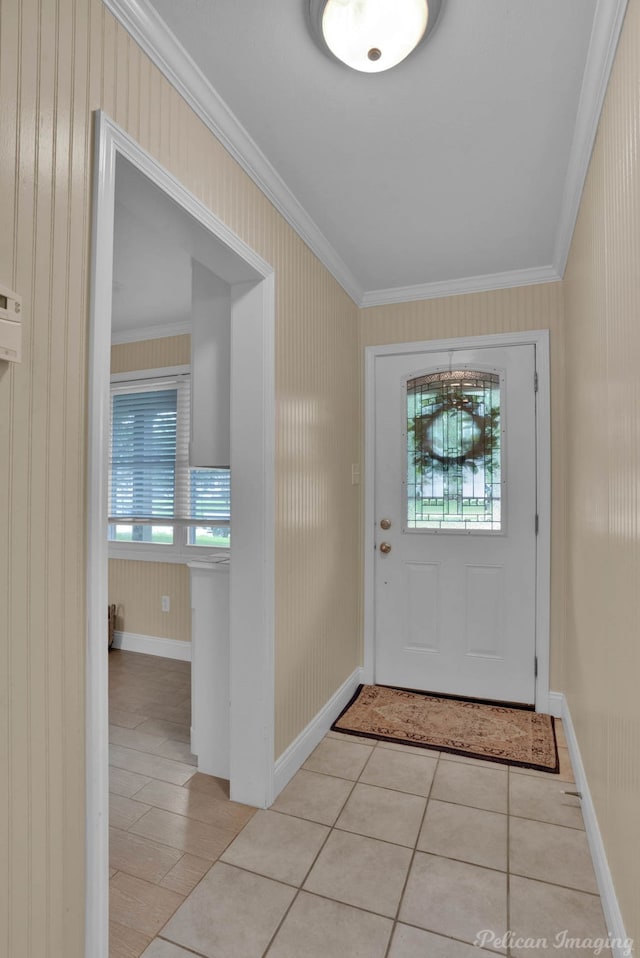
(150, 480)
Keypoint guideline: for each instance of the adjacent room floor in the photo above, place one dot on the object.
(372, 851)
(169, 823)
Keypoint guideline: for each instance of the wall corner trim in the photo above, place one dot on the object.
(559, 707)
(152, 645)
(607, 25)
(293, 757)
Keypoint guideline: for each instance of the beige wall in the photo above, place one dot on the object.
(476, 314)
(151, 354)
(318, 577)
(602, 648)
(135, 587)
(59, 60)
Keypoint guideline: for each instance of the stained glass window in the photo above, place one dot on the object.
(454, 451)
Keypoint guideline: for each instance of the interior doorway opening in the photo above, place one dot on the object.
(251, 685)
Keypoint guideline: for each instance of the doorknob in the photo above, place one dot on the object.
(385, 548)
(385, 523)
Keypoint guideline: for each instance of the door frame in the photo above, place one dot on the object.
(540, 339)
(253, 514)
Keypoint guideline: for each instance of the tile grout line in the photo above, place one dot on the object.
(462, 861)
(445, 801)
(460, 941)
(139, 751)
(151, 750)
(387, 788)
(467, 759)
(333, 827)
(507, 769)
(200, 880)
(170, 811)
(394, 920)
(160, 845)
(190, 951)
(374, 748)
(125, 831)
(172, 848)
(412, 859)
(179, 905)
(175, 848)
(308, 872)
(494, 766)
(152, 777)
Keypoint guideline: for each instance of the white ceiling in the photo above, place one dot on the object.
(460, 168)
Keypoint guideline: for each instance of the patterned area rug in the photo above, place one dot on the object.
(495, 733)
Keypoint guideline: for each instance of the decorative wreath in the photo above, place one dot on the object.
(484, 445)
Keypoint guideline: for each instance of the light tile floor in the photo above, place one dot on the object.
(168, 823)
(372, 851)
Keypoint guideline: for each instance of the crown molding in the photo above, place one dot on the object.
(148, 29)
(151, 33)
(457, 287)
(142, 333)
(607, 24)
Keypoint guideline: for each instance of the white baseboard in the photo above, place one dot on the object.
(293, 757)
(556, 704)
(152, 645)
(620, 946)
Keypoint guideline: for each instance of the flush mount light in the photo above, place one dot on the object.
(372, 35)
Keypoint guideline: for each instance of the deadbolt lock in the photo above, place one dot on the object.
(385, 523)
(385, 548)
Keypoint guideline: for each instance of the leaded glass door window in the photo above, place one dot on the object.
(453, 452)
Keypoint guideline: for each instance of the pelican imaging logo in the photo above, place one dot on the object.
(487, 938)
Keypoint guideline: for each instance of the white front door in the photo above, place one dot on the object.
(455, 513)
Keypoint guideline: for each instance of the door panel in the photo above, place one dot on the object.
(455, 468)
(484, 611)
(422, 581)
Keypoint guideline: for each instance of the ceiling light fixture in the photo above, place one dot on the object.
(372, 35)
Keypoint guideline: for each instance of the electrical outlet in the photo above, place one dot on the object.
(355, 473)
(166, 603)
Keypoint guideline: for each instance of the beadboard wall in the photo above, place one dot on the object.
(59, 61)
(151, 354)
(602, 300)
(137, 588)
(479, 314)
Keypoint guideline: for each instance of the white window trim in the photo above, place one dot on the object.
(180, 553)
